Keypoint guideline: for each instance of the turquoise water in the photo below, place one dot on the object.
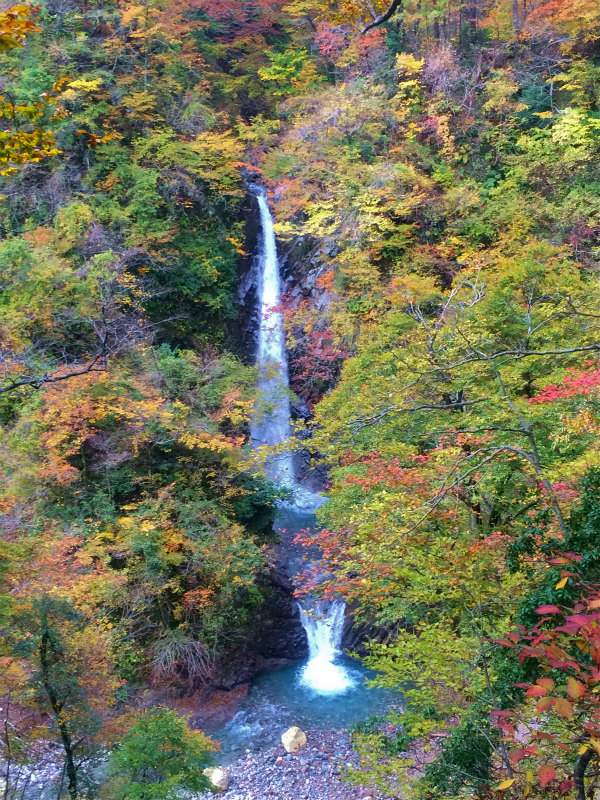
(279, 700)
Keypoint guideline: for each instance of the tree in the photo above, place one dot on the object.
(558, 744)
(24, 142)
(45, 628)
(365, 16)
(16, 24)
(58, 323)
(158, 758)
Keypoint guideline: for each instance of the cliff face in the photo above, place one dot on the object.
(275, 635)
(245, 328)
(315, 358)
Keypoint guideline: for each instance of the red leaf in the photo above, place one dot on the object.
(546, 774)
(580, 620)
(548, 610)
(519, 755)
(545, 737)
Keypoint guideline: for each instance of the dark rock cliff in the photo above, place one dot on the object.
(275, 635)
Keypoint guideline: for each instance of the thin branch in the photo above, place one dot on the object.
(41, 380)
(518, 354)
(363, 422)
(382, 18)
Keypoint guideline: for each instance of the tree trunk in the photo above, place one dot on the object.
(515, 15)
(56, 705)
(471, 16)
(579, 773)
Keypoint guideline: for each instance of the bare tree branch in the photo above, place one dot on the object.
(364, 422)
(40, 380)
(382, 18)
(519, 354)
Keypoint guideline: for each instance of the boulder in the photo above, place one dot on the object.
(293, 739)
(218, 776)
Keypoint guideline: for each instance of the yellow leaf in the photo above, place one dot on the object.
(562, 582)
(584, 748)
(504, 785)
(86, 86)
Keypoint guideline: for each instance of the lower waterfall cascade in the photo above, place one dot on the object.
(324, 626)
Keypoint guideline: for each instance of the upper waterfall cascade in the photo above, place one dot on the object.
(271, 422)
(270, 426)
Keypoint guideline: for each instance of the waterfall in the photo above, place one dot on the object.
(271, 423)
(324, 626)
(323, 621)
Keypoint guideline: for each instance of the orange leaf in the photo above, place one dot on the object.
(564, 708)
(547, 683)
(575, 688)
(536, 691)
(545, 703)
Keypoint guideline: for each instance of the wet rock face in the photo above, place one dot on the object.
(237, 668)
(245, 328)
(211, 708)
(275, 636)
(279, 633)
(356, 635)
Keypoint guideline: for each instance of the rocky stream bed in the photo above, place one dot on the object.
(319, 770)
(315, 772)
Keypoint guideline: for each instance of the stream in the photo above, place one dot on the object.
(328, 690)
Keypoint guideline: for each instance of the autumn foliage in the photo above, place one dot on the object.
(433, 168)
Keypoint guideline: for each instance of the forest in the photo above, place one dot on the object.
(433, 169)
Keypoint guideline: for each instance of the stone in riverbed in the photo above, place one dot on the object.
(218, 776)
(293, 739)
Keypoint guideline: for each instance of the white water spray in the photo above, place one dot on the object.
(270, 426)
(324, 626)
